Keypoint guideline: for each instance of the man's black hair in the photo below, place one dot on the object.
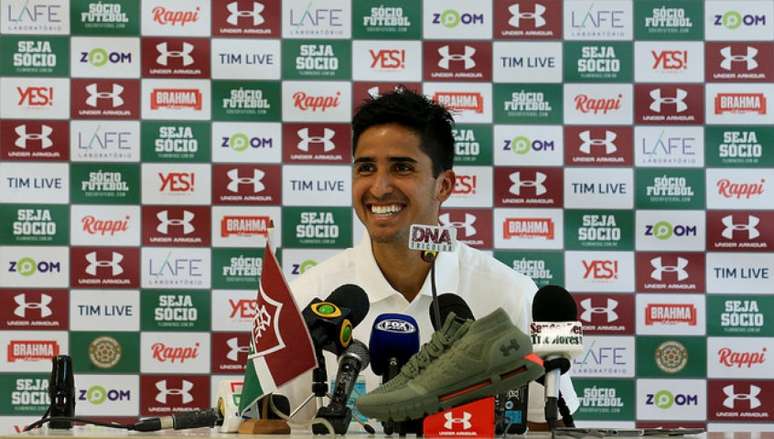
(429, 120)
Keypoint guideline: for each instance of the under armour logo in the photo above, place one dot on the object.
(537, 183)
(95, 95)
(22, 305)
(236, 180)
(607, 142)
(184, 54)
(750, 227)
(513, 345)
(114, 263)
(467, 224)
(659, 268)
(234, 349)
(517, 15)
(326, 139)
(184, 391)
(678, 100)
(165, 222)
(451, 420)
(42, 136)
(732, 396)
(466, 57)
(234, 13)
(729, 58)
(589, 310)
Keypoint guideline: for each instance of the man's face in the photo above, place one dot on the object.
(393, 184)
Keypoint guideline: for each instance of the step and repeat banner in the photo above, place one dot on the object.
(623, 149)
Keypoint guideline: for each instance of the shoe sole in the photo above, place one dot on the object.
(474, 388)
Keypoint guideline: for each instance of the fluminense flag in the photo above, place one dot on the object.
(280, 345)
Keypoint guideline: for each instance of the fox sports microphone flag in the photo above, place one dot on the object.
(280, 346)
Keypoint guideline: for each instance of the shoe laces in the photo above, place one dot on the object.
(431, 350)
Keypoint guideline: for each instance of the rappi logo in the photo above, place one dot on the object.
(606, 315)
(600, 269)
(246, 18)
(458, 61)
(94, 267)
(251, 184)
(730, 189)
(741, 359)
(594, 146)
(316, 143)
(35, 140)
(176, 226)
(670, 272)
(316, 103)
(105, 98)
(474, 226)
(170, 17)
(177, 182)
(165, 394)
(669, 60)
(176, 57)
(677, 104)
(528, 187)
(35, 96)
(528, 19)
(165, 353)
(739, 61)
(598, 106)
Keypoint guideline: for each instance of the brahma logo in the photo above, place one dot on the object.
(175, 99)
(460, 101)
(591, 146)
(670, 314)
(457, 61)
(245, 225)
(246, 18)
(528, 19)
(176, 58)
(32, 350)
(740, 103)
(105, 98)
(736, 62)
(34, 140)
(530, 228)
(681, 104)
(528, 187)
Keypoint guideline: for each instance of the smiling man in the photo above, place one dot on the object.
(403, 150)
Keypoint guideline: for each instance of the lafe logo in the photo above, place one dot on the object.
(607, 143)
(236, 180)
(165, 222)
(326, 139)
(608, 310)
(466, 57)
(748, 58)
(183, 392)
(537, 183)
(22, 305)
(234, 13)
(184, 54)
(678, 100)
(463, 421)
(44, 136)
(114, 263)
(659, 268)
(114, 95)
(750, 227)
(536, 15)
(751, 396)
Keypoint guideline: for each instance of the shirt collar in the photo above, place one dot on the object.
(370, 277)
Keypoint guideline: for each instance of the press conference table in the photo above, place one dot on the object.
(200, 433)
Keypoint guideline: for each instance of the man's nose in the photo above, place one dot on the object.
(382, 184)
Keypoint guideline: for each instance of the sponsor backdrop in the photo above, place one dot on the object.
(622, 149)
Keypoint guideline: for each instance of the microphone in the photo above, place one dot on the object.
(448, 303)
(179, 421)
(61, 391)
(557, 337)
(430, 240)
(331, 321)
(394, 339)
(336, 412)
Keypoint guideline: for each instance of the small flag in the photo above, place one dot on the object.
(280, 345)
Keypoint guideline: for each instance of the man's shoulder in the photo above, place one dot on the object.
(314, 280)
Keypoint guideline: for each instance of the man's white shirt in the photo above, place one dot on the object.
(483, 282)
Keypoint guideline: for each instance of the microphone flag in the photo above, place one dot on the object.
(280, 345)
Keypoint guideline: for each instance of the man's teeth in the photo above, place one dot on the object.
(383, 210)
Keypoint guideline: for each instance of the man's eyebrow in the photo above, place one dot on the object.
(392, 159)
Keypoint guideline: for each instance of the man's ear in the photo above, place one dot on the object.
(444, 185)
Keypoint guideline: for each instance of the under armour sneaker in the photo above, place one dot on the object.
(492, 357)
(451, 331)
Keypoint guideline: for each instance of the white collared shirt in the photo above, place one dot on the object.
(483, 282)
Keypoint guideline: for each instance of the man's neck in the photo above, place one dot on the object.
(403, 268)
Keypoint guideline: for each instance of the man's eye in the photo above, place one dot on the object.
(364, 168)
(403, 167)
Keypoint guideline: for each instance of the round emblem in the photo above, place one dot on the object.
(671, 356)
(104, 352)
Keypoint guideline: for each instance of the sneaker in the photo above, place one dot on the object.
(493, 356)
(451, 331)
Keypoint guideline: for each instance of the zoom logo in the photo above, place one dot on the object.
(664, 230)
(665, 400)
